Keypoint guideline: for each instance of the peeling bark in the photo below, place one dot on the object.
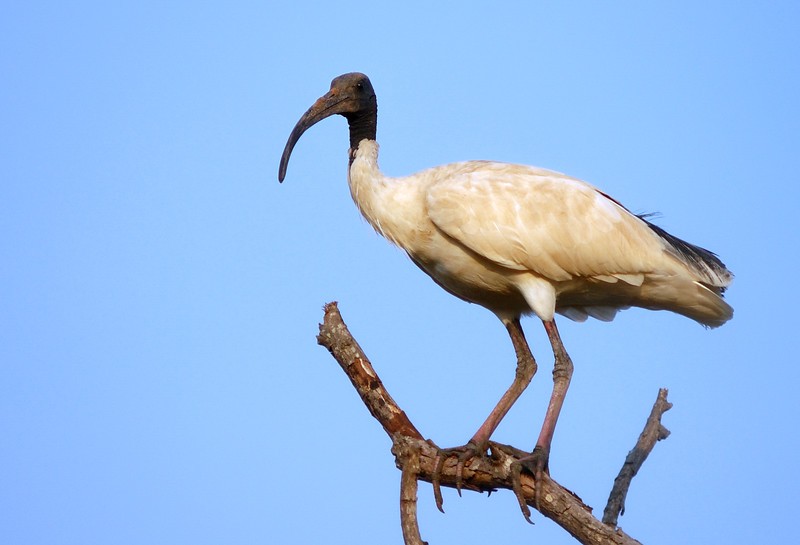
(416, 457)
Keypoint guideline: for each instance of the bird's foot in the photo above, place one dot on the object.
(463, 455)
(537, 464)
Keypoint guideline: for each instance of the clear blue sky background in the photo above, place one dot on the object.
(160, 291)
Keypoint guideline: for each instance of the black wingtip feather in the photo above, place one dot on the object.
(701, 260)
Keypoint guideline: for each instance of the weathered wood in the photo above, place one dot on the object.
(653, 431)
(416, 457)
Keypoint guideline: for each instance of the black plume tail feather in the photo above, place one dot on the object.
(704, 262)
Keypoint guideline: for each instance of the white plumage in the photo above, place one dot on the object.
(520, 240)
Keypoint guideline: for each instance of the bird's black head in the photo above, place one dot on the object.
(352, 96)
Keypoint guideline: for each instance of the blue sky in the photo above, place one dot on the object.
(160, 291)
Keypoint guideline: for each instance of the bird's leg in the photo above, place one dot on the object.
(526, 368)
(537, 462)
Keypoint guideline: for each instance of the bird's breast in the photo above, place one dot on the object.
(467, 275)
(397, 209)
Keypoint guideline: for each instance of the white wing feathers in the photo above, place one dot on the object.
(557, 227)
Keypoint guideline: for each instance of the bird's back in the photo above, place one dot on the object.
(487, 231)
(598, 256)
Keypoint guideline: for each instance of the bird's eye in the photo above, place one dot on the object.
(360, 86)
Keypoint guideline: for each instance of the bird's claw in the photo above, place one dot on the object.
(536, 463)
(463, 455)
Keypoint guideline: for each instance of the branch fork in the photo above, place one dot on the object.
(417, 457)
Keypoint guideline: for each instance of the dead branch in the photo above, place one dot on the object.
(653, 431)
(408, 500)
(416, 457)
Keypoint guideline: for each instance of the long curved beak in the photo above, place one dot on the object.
(329, 104)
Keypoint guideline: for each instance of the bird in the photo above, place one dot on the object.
(520, 240)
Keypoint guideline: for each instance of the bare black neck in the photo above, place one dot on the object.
(363, 124)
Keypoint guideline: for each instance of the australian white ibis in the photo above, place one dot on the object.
(520, 240)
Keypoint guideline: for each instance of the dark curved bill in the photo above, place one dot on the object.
(325, 106)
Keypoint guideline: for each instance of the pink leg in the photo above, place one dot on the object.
(538, 461)
(526, 368)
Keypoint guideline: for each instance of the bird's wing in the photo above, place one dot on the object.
(558, 227)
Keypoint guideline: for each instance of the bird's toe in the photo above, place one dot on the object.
(463, 455)
(537, 463)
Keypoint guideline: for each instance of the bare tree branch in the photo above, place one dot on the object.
(416, 457)
(653, 431)
(334, 335)
(408, 499)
